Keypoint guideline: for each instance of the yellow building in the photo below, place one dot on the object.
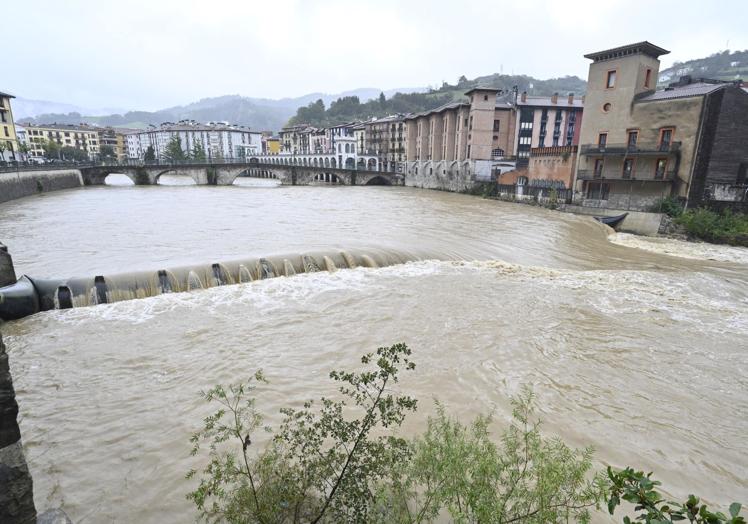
(8, 139)
(84, 138)
(115, 138)
(272, 145)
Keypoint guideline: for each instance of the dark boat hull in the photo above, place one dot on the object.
(613, 221)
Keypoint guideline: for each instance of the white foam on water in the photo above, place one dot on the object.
(682, 248)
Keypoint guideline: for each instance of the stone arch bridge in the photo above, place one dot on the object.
(224, 173)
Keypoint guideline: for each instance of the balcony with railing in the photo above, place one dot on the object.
(631, 150)
(618, 174)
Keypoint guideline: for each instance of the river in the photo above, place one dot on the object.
(641, 354)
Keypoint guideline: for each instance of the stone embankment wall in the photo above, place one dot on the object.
(16, 490)
(638, 222)
(26, 183)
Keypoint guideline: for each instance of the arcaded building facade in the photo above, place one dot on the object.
(460, 140)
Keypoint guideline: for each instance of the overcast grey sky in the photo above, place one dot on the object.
(150, 54)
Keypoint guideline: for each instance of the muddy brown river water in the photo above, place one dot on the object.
(636, 352)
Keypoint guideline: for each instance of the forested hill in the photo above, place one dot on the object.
(350, 108)
(720, 66)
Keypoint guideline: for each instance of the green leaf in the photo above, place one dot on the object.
(612, 503)
(735, 509)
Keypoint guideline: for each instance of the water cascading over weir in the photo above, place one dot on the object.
(25, 296)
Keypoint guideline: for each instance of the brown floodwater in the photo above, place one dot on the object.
(641, 354)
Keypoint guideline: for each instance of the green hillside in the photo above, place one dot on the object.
(350, 108)
(719, 66)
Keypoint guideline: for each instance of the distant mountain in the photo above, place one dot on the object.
(256, 113)
(720, 66)
(25, 108)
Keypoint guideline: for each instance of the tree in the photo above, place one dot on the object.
(382, 99)
(198, 152)
(322, 466)
(150, 154)
(73, 153)
(174, 152)
(107, 152)
(51, 149)
(462, 81)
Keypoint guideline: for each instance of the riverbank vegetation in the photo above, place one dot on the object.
(723, 227)
(719, 228)
(342, 461)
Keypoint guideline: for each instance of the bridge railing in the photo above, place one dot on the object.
(14, 167)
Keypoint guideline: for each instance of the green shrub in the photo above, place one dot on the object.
(669, 205)
(639, 489)
(343, 462)
(721, 228)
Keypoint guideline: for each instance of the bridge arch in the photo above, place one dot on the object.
(378, 180)
(184, 178)
(118, 179)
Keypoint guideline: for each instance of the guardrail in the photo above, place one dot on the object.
(630, 149)
(590, 174)
(18, 166)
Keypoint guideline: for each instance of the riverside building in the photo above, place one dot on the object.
(386, 139)
(8, 138)
(453, 143)
(639, 145)
(83, 137)
(217, 140)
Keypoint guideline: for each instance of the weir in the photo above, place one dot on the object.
(26, 296)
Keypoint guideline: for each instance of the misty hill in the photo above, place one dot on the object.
(256, 113)
(349, 108)
(720, 66)
(25, 108)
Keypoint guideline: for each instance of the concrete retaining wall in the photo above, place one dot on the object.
(638, 222)
(23, 184)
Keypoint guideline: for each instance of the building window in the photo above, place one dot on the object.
(602, 140)
(647, 77)
(598, 190)
(468, 151)
(633, 137)
(599, 163)
(660, 167)
(496, 125)
(742, 174)
(666, 138)
(628, 167)
(610, 79)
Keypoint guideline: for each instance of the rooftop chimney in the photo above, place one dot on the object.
(524, 96)
(554, 98)
(571, 98)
